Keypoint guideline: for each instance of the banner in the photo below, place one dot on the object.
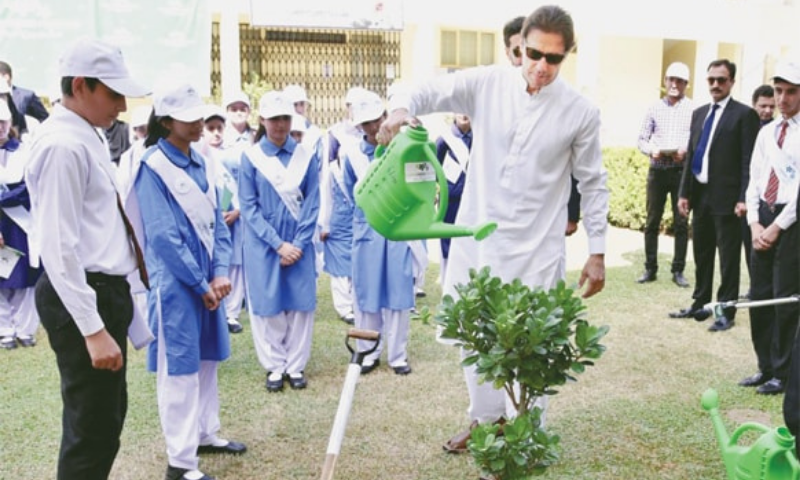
(157, 37)
(351, 14)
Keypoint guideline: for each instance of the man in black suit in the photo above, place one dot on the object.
(25, 100)
(714, 182)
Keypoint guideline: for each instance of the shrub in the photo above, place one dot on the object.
(627, 184)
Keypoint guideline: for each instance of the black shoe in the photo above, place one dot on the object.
(721, 324)
(773, 386)
(234, 326)
(402, 369)
(8, 342)
(231, 448)
(27, 340)
(274, 385)
(175, 473)
(647, 276)
(698, 314)
(679, 280)
(365, 369)
(298, 383)
(754, 380)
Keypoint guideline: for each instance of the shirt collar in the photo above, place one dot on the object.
(12, 144)
(458, 133)
(273, 150)
(176, 156)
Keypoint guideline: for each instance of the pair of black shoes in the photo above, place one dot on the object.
(677, 278)
(767, 384)
(295, 382)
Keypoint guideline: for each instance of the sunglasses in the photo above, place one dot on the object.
(719, 80)
(516, 51)
(550, 58)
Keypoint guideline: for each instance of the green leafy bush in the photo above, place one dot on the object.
(535, 338)
(627, 184)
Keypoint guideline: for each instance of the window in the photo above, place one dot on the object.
(466, 48)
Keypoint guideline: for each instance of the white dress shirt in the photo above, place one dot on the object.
(703, 176)
(521, 161)
(766, 153)
(77, 225)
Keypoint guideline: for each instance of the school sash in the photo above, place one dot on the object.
(200, 208)
(285, 180)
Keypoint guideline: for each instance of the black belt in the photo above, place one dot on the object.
(98, 278)
(775, 208)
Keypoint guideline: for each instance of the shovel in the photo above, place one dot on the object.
(346, 400)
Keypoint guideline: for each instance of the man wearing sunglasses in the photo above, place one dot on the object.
(715, 177)
(535, 130)
(663, 138)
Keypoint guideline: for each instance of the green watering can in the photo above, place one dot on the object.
(770, 457)
(398, 192)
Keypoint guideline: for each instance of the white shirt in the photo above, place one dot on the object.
(77, 225)
(764, 156)
(524, 150)
(703, 176)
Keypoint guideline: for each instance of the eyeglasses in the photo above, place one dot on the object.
(516, 51)
(550, 58)
(719, 80)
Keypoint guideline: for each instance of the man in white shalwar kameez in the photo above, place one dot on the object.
(535, 131)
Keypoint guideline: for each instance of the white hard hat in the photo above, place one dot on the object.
(678, 70)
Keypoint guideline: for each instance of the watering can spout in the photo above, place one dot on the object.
(448, 230)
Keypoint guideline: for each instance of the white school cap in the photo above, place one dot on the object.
(295, 93)
(789, 71)
(181, 102)
(274, 104)
(96, 59)
(368, 107)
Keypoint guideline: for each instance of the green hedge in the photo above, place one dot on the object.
(627, 180)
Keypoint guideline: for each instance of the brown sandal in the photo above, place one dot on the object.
(458, 444)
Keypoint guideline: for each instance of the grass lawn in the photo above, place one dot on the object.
(636, 415)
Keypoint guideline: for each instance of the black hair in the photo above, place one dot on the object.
(66, 85)
(724, 62)
(551, 19)
(513, 27)
(155, 129)
(5, 69)
(261, 132)
(763, 91)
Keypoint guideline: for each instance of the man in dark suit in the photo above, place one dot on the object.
(25, 100)
(714, 182)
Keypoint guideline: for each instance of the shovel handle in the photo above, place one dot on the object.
(362, 334)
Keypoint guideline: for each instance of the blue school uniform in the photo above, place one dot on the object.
(180, 268)
(339, 244)
(382, 271)
(268, 223)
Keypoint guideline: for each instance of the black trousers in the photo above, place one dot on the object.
(660, 183)
(791, 397)
(95, 401)
(711, 234)
(774, 275)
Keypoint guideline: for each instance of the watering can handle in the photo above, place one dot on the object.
(441, 178)
(745, 427)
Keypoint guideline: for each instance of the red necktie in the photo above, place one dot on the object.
(771, 194)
